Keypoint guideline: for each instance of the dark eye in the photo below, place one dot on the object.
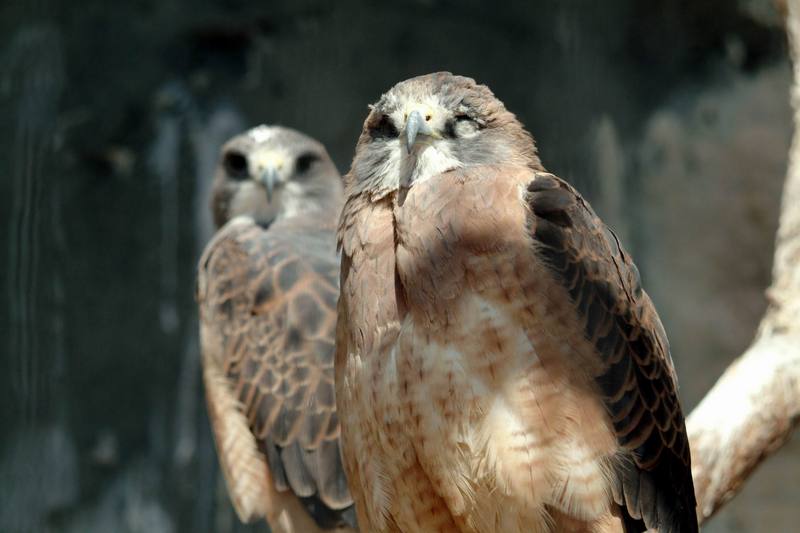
(235, 164)
(383, 129)
(305, 161)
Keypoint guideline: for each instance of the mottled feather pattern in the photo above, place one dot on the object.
(466, 265)
(267, 300)
(244, 464)
(483, 352)
(637, 381)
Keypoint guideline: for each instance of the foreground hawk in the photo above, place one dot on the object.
(267, 289)
(498, 366)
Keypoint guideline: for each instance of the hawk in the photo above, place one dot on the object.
(267, 289)
(499, 367)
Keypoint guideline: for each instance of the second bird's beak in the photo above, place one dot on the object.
(415, 124)
(269, 177)
(267, 167)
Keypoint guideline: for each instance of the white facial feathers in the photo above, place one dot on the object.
(431, 153)
(272, 172)
(425, 161)
(250, 199)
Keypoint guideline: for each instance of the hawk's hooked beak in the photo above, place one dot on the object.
(416, 124)
(268, 179)
(267, 169)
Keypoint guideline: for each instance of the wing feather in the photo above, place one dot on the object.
(267, 330)
(243, 465)
(638, 382)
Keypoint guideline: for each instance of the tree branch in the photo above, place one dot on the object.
(754, 407)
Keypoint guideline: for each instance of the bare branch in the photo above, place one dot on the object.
(754, 407)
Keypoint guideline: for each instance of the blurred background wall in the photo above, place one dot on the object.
(671, 116)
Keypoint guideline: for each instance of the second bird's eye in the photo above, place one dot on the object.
(384, 128)
(235, 164)
(304, 162)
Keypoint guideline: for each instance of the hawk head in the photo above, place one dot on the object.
(270, 173)
(431, 124)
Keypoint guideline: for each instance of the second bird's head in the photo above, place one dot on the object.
(272, 172)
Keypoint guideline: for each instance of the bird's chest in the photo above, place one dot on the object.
(468, 411)
(476, 419)
(498, 428)
(488, 397)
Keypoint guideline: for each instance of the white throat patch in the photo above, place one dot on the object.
(251, 199)
(425, 161)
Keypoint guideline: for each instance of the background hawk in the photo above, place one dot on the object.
(498, 365)
(267, 292)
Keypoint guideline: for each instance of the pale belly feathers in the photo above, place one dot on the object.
(500, 433)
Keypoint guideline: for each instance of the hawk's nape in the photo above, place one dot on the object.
(267, 289)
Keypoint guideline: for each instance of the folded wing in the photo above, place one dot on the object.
(267, 301)
(637, 384)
